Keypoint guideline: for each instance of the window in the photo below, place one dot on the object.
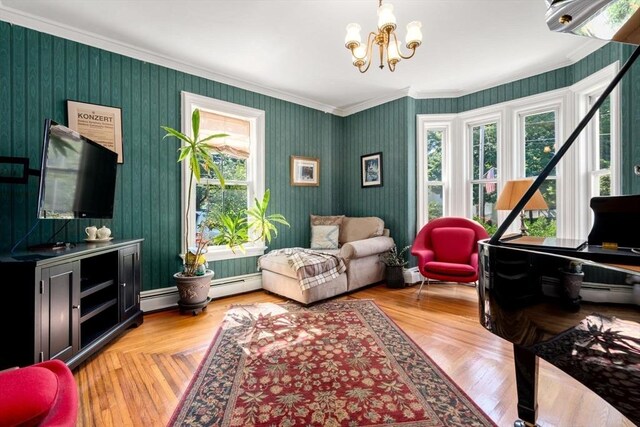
(601, 143)
(240, 158)
(539, 137)
(481, 149)
(433, 171)
(433, 141)
(484, 174)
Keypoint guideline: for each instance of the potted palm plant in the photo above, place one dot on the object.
(194, 280)
(395, 263)
(234, 228)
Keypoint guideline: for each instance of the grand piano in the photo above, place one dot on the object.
(574, 303)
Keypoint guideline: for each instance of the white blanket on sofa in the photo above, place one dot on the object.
(312, 267)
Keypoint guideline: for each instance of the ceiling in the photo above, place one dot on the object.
(295, 49)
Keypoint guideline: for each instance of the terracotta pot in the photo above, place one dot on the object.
(193, 290)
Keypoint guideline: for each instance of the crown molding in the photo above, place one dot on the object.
(26, 20)
(374, 102)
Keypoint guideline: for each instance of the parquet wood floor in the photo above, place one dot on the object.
(138, 379)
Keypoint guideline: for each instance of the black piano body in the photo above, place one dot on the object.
(574, 304)
(532, 292)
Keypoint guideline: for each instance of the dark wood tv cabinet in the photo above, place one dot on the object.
(67, 303)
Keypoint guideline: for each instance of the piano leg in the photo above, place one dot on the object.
(526, 364)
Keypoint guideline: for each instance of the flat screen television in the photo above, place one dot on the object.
(77, 176)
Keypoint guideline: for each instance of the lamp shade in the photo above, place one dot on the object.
(513, 192)
(414, 35)
(386, 17)
(353, 35)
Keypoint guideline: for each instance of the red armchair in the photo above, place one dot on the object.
(447, 250)
(44, 394)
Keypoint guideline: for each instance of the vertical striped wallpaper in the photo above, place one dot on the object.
(39, 72)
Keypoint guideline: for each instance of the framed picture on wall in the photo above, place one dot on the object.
(99, 123)
(305, 171)
(371, 170)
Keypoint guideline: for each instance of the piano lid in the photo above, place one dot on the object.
(613, 20)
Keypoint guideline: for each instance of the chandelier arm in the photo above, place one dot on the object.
(367, 51)
(413, 49)
(365, 68)
(413, 52)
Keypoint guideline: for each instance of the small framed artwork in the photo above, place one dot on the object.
(305, 171)
(99, 123)
(371, 170)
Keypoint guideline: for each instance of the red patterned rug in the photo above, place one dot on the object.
(340, 363)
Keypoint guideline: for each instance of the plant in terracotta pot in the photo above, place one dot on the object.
(194, 280)
(395, 262)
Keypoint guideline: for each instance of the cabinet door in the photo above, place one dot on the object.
(60, 311)
(129, 266)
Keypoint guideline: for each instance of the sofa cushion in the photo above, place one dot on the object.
(324, 236)
(358, 228)
(453, 244)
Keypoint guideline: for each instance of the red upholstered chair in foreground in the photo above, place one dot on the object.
(44, 394)
(447, 250)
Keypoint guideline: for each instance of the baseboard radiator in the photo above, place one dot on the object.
(592, 292)
(158, 299)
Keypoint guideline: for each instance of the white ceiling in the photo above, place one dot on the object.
(295, 49)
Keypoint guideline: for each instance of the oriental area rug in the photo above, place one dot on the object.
(339, 363)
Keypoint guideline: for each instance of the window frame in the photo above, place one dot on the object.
(255, 167)
(469, 124)
(573, 214)
(444, 123)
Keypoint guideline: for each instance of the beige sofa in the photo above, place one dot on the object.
(361, 241)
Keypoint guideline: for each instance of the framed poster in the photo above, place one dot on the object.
(371, 170)
(305, 171)
(99, 123)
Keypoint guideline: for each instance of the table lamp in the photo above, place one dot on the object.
(511, 195)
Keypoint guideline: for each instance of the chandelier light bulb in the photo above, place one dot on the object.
(414, 34)
(386, 18)
(353, 35)
(393, 52)
(358, 55)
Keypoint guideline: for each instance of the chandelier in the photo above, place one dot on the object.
(385, 38)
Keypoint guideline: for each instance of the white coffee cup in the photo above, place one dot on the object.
(92, 232)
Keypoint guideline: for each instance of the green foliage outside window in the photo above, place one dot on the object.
(542, 226)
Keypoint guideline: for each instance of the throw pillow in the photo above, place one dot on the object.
(327, 220)
(324, 236)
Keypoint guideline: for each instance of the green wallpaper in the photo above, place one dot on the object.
(39, 72)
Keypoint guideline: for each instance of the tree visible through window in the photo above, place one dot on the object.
(434, 184)
(539, 148)
(484, 178)
(231, 155)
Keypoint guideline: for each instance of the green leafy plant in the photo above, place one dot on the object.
(197, 153)
(236, 227)
(393, 258)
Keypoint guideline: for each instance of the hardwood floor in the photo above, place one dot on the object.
(138, 379)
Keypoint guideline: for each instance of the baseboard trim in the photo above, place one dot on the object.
(159, 299)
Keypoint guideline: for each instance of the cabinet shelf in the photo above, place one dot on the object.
(95, 287)
(97, 309)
